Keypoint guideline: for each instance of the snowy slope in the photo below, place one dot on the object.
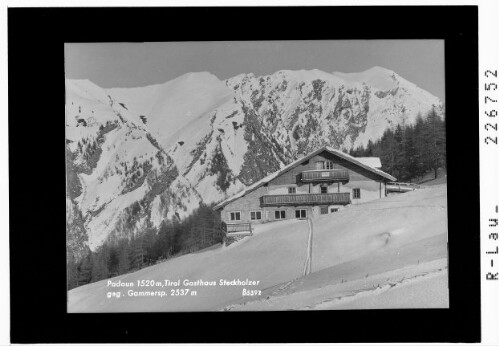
(113, 162)
(171, 106)
(182, 114)
(397, 241)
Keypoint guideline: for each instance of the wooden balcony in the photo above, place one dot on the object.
(325, 175)
(306, 199)
(229, 228)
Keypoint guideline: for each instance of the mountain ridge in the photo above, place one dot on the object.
(198, 139)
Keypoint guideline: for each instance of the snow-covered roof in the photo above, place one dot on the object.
(293, 164)
(373, 162)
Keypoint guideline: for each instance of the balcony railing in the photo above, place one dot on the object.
(306, 199)
(325, 175)
(236, 227)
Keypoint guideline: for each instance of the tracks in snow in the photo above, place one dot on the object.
(329, 303)
(307, 269)
(279, 288)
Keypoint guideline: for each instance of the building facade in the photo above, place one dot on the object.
(319, 183)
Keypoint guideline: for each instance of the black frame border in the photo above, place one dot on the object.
(36, 38)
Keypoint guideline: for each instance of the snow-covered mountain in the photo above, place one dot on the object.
(119, 179)
(137, 156)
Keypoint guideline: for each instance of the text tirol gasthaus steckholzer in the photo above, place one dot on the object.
(179, 287)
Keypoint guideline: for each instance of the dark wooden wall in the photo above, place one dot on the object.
(356, 173)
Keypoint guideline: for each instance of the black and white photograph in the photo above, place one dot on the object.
(250, 174)
(256, 176)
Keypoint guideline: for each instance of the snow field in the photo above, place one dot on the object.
(254, 259)
(423, 286)
(356, 249)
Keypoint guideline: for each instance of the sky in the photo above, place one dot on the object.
(139, 64)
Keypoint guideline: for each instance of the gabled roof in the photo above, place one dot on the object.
(373, 162)
(293, 164)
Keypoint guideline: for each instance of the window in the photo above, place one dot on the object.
(324, 210)
(328, 165)
(255, 215)
(291, 189)
(280, 214)
(235, 215)
(323, 189)
(334, 210)
(301, 213)
(356, 193)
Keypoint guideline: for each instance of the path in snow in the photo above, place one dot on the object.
(308, 262)
(429, 291)
(423, 286)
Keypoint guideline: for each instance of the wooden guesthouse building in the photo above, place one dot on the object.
(319, 183)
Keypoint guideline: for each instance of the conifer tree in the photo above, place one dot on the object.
(411, 160)
(369, 149)
(435, 139)
(123, 257)
(85, 270)
(419, 146)
(100, 259)
(136, 253)
(72, 271)
(410, 151)
(149, 238)
(113, 261)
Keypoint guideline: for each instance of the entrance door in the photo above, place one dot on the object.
(301, 213)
